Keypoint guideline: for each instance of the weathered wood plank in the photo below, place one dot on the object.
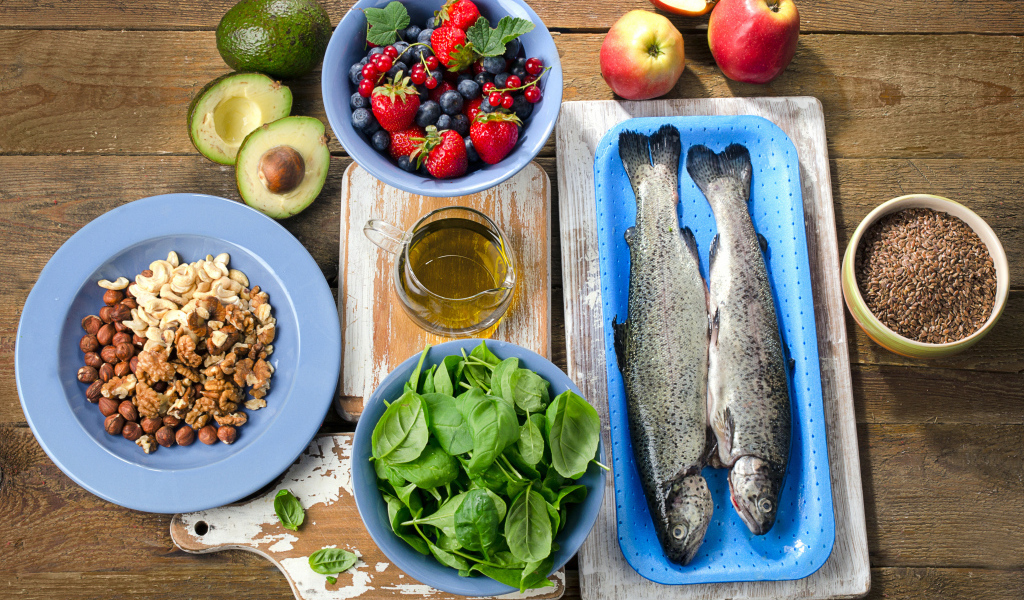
(998, 16)
(883, 95)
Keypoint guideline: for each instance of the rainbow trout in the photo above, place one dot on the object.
(748, 396)
(662, 348)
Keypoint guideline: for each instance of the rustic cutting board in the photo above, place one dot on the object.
(322, 481)
(376, 334)
(604, 572)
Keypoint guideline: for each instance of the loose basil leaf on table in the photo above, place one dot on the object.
(574, 432)
(328, 561)
(289, 510)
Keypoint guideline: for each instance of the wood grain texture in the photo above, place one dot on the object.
(999, 16)
(929, 96)
(582, 125)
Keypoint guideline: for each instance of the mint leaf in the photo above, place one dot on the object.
(491, 42)
(384, 23)
(288, 510)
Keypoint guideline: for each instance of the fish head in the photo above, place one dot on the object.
(755, 487)
(689, 508)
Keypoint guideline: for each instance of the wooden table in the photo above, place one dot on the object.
(918, 97)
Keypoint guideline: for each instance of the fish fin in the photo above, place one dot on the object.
(713, 323)
(711, 450)
(619, 335)
(630, 232)
(691, 242)
(713, 253)
(666, 148)
(763, 243)
(704, 166)
(730, 430)
(635, 153)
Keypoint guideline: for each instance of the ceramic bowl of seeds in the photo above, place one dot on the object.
(924, 276)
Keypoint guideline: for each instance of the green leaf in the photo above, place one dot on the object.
(447, 558)
(384, 23)
(427, 387)
(443, 381)
(447, 424)
(407, 494)
(528, 527)
(476, 522)
(525, 469)
(398, 513)
(491, 42)
(288, 510)
(535, 575)
(433, 468)
(570, 494)
(531, 442)
(328, 561)
(500, 377)
(443, 518)
(414, 377)
(331, 579)
(481, 372)
(574, 432)
(553, 515)
(448, 543)
(529, 390)
(510, 577)
(388, 474)
(493, 424)
(401, 433)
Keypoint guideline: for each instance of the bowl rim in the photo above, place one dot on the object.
(438, 187)
(859, 308)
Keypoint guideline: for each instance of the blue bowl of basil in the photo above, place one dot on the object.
(475, 467)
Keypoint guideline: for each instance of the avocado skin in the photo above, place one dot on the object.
(282, 38)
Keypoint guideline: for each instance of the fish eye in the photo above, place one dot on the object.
(679, 532)
(764, 505)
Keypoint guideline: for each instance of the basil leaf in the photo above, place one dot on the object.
(494, 426)
(448, 543)
(414, 378)
(447, 558)
(407, 494)
(525, 469)
(529, 391)
(288, 510)
(500, 377)
(570, 494)
(401, 433)
(428, 381)
(476, 522)
(510, 577)
(443, 518)
(443, 380)
(388, 474)
(553, 515)
(331, 579)
(384, 23)
(479, 372)
(528, 527)
(535, 575)
(433, 468)
(398, 514)
(447, 424)
(575, 430)
(531, 442)
(328, 561)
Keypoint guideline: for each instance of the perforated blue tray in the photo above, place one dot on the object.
(804, 531)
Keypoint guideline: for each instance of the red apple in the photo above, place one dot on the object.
(753, 40)
(642, 56)
(690, 8)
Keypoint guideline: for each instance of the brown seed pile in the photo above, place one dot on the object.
(926, 275)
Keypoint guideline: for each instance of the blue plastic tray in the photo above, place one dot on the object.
(804, 531)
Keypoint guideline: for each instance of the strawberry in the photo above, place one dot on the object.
(395, 104)
(451, 48)
(402, 143)
(471, 108)
(444, 153)
(435, 94)
(459, 13)
(494, 135)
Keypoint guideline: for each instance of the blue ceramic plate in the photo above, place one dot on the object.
(123, 242)
(374, 511)
(804, 531)
(347, 47)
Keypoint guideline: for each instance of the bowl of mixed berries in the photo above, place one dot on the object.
(442, 98)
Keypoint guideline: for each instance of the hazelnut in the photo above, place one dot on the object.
(93, 360)
(185, 436)
(131, 431)
(105, 314)
(106, 372)
(106, 334)
(121, 337)
(171, 421)
(130, 303)
(208, 435)
(165, 436)
(92, 324)
(150, 425)
(108, 406)
(114, 424)
(87, 374)
(139, 340)
(112, 297)
(95, 391)
(121, 369)
(133, 363)
(89, 343)
(128, 410)
(124, 351)
(120, 326)
(226, 434)
(128, 293)
(120, 313)
(109, 354)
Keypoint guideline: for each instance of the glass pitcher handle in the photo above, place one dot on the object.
(385, 235)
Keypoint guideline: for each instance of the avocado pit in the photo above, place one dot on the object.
(281, 169)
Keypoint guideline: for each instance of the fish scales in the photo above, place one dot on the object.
(748, 395)
(663, 348)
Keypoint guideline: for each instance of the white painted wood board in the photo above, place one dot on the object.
(603, 571)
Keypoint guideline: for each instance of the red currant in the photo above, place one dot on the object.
(495, 98)
(534, 66)
(530, 79)
(384, 63)
(488, 87)
(532, 94)
(513, 82)
(391, 51)
(507, 101)
(432, 62)
(369, 71)
(418, 77)
(366, 88)
(431, 83)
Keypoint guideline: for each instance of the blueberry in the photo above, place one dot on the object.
(403, 56)
(413, 32)
(372, 127)
(460, 123)
(486, 106)
(471, 151)
(361, 117)
(494, 64)
(521, 108)
(520, 62)
(437, 74)
(464, 76)
(451, 102)
(501, 79)
(469, 89)
(431, 22)
(424, 36)
(424, 171)
(405, 164)
(519, 72)
(428, 113)
(381, 140)
(424, 93)
(355, 73)
(376, 50)
(444, 122)
(393, 71)
(511, 49)
(363, 61)
(483, 78)
(357, 101)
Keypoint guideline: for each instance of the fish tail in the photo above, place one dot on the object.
(635, 154)
(665, 147)
(704, 166)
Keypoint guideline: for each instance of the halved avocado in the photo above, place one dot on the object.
(282, 166)
(229, 108)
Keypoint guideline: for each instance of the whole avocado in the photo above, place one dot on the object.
(282, 38)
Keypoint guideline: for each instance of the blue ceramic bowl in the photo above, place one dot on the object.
(347, 47)
(374, 511)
